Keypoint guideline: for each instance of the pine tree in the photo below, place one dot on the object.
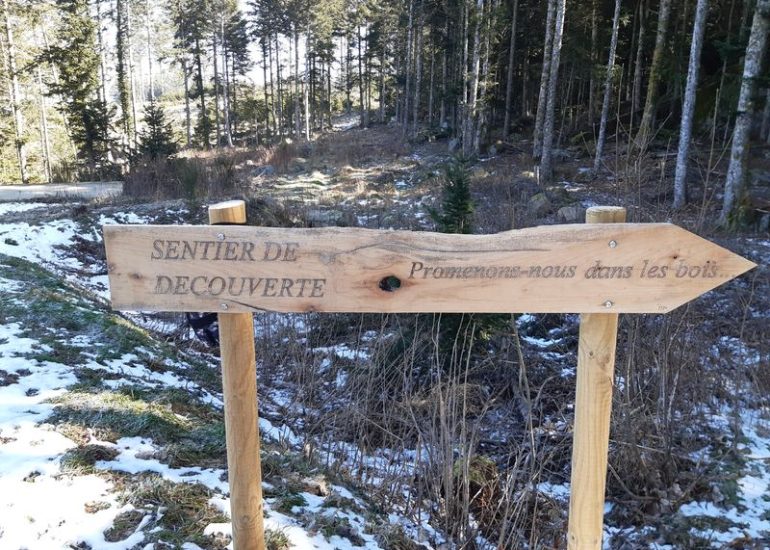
(157, 138)
(192, 31)
(76, 57)
(456, 214)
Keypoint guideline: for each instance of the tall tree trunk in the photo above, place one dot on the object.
(273, 102)
(279, 81)
(18, 117)
(509, 78)
(397, 89)
(215, 58)
(685, 132)
(545, 74)
(546, 162)
(382, 84)
(636, 94)
(430, 87)
(481, 107)
(44, 139)
(407, 68)
(461, 109)
(348, 80)
(265, 89)
(225, 88)
(650, 103)
(363, 118)
(417, 76)
(473, 85)
(306, 87)
(187, 114)
(232, 102)
(297, 108)
(594, 61)
(148, 31)
(367, 81)
(329, 95)
(444, 83)
(100, 43)
(122, 69)
(607, 89)
(739, 155)
(526, 109)
(132, 76)
(201, 94)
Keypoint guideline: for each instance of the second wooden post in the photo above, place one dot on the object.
(593, 407)
(239, 386)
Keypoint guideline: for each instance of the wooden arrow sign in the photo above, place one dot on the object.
(619, 268)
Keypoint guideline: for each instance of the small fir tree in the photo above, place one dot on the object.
(157, 139)
(456, 214)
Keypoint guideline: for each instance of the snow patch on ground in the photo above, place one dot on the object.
(9, 207)
(751, 513)
(32, 488)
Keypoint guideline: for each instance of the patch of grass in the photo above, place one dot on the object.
(186, 507)
(123, 526)
(286, 502)
(279, 464)
(52, 312)
(393, 537)
(203, 446)
(81, 460)
(334, 525)
(341, 503)
(60, 353)
(276, 540)
(8, 378)
(113, 415)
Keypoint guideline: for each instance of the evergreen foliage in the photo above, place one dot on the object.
(157, 139)
(456, 214)
(77, 59)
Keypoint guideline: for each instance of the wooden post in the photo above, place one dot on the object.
(593, 406)
(239, 386)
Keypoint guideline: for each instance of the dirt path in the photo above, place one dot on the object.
(85, 190)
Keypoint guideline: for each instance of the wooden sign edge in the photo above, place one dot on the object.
(585, 230)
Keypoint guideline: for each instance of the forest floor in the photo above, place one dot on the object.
(120, 415)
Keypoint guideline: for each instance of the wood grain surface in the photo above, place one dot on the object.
(593, 407)
(586, 268)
